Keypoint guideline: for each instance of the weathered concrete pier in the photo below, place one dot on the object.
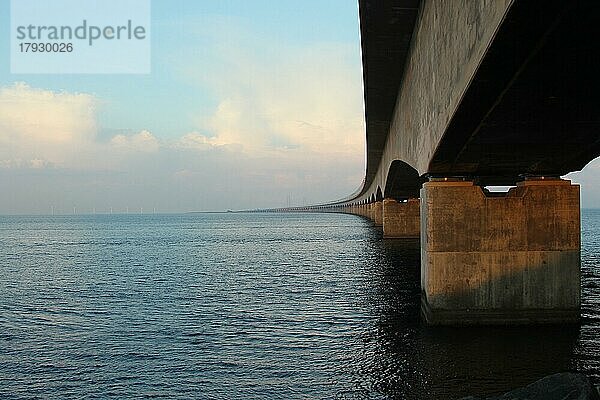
(512, 259)
(461, 95)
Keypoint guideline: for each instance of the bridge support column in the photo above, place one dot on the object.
(377, 213)
(369, 210)
(500, 260)
(401, 220)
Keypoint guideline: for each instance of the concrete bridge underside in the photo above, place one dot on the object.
(463, 94)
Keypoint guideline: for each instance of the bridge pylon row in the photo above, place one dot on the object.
(490, 258)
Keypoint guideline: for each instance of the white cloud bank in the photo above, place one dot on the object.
(307, 98)
(51, 156)
(40, 127)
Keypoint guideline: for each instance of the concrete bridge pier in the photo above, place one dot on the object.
(365, 211)
(489, 259)
(401, 219)
(377, 213)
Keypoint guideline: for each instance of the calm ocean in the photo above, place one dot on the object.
(251, 306)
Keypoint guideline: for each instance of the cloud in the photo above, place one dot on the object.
(589, 179)
(274, 97)
(46, 116)
(143, 141)
(42, 126)
(195, 141)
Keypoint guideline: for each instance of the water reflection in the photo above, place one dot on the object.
(245, 306)
(414, 361)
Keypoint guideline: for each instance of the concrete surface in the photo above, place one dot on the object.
(511, 259)
(401, 220)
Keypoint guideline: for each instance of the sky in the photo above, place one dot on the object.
(249, 104)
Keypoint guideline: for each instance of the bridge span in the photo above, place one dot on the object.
(463, 94)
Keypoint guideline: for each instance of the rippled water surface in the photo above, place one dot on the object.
(250, 306)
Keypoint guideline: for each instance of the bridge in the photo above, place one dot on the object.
(461, 95)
